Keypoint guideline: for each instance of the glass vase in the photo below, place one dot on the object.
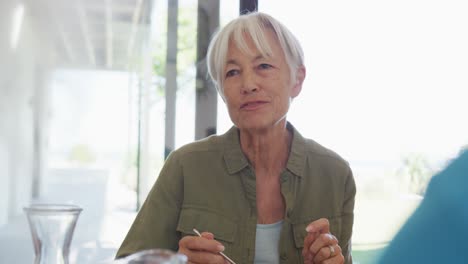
(52, 227)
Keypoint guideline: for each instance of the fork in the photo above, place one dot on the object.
(221, 253)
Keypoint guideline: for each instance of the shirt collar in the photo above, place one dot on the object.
(233, 156)
(297, 156)
(235, 159)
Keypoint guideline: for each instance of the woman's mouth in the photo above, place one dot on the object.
(252, 105)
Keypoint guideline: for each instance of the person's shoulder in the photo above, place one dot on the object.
(324, 155)
(317, 153)
(453, 178)
(208, 144)
(211, 144)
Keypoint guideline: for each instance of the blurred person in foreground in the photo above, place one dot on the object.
(437, 232)
(261, 192)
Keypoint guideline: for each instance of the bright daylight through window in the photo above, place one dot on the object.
(385, 88)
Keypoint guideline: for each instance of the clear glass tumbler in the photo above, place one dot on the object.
(52, 227)
(155, 256)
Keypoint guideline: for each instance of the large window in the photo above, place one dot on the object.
(385, 89)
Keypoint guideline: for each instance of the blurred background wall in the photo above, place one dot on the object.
(25, 66)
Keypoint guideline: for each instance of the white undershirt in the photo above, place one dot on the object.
(267, 243)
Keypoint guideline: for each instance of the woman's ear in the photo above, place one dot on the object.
(300, 76)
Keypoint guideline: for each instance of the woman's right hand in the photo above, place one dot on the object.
(204, 249)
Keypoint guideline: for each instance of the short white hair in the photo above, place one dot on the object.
(253, 25)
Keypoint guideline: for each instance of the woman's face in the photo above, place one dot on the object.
(257, 89)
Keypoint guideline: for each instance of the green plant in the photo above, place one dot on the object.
(417, 171)
(82, 154)
(186, 50)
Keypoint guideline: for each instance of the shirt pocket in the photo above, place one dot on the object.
(299, 230)
(223, 228)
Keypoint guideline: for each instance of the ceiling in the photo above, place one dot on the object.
(98, 34)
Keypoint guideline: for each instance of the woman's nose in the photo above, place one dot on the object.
(249, 83)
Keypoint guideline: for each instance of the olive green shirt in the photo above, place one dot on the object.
(210, 185)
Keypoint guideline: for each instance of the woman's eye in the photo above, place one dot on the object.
(231, 73)
(264, 66)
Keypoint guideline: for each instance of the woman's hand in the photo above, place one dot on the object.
(320, 246)
(202, 249)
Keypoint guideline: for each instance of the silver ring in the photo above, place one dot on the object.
(332, 251)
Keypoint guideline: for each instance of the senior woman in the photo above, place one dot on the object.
(261, 192)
